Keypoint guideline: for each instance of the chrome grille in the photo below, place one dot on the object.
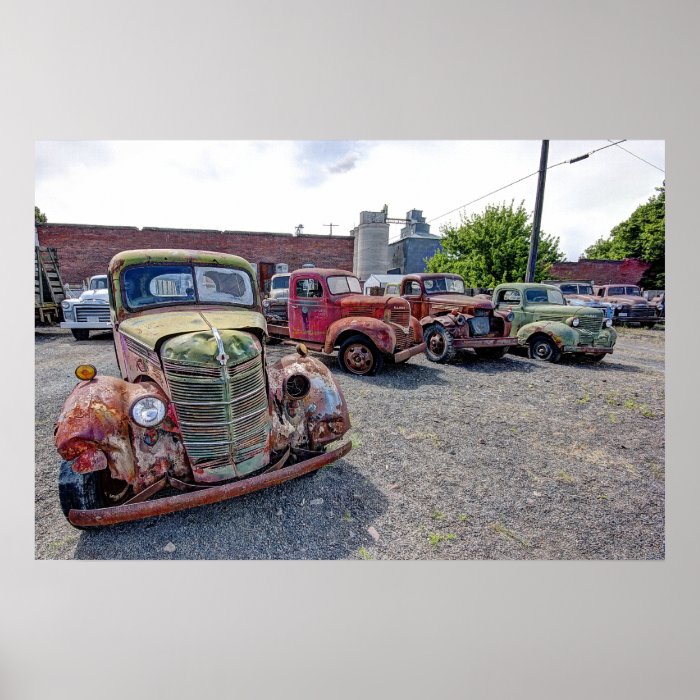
(222, 411)
(98, 311)
(400, 315)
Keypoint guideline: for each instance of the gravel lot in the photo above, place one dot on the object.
(504, 459)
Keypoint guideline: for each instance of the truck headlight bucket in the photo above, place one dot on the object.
(608, 323)
(148, 411)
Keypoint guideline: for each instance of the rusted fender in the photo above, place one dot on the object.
(380, 333)
(559, 332)
(323, 410)
(94, 425)
(137, 511)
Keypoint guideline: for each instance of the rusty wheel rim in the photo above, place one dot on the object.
(358, 358)
(436, 343)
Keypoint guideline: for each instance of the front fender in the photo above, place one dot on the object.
(381, 334)
(559, 332)
(322, 413)
(93, 429)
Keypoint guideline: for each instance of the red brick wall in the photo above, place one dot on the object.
(85, 250)
(627, 271)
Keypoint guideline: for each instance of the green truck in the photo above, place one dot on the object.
(549, 327)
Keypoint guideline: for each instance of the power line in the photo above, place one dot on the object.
(640, 158)
(515, 182)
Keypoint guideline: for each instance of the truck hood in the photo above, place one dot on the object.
(585, 299)
(150, 328)
(460, 301)
(632, 301)
(365, 301)
(557, 310)
(98, 295)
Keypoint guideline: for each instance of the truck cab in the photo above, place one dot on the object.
(327, 311)
(451, 319)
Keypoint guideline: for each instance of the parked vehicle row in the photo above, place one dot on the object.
(198, 416)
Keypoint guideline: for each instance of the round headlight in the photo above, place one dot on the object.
(608, 323)
(510, 317)
(266, 303)
(461, 319)
(148, 411)
(575, 322)
(65, 305)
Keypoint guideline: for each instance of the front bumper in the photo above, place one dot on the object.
(92, 326)
(203, 496)
(485, 342)
(636, 319)
(409, 352)
(589, 349)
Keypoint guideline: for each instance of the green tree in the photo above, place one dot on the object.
(641, 236)
(492, 247)
(39, 216)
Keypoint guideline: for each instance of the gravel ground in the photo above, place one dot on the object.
(503, 459)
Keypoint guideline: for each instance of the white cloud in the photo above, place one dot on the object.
(275, 185)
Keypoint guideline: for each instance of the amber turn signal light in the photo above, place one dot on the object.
(85, 371)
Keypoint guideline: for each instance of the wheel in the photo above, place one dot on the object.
(439, 346)
(543, 348)
(491, 353)
(80, 333)
(358, 355)
(88, 491)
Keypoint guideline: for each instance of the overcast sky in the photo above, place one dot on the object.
(275, 185)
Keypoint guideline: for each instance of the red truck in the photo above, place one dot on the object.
(451, 319)
(326, 310)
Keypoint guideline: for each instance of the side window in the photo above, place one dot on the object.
(508, 296)
(309, 288)
(412, 287)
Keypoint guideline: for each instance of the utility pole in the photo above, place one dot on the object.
(537, 218)
(331, 225)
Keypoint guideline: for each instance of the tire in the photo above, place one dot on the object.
(80, 333)
(359, 355)
(87, 491)
(491, 353)
(544, 348)
(439, 346)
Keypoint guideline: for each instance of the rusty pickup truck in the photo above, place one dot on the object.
(629, 306)
(196, 414)
(327, 311)
(452, 319)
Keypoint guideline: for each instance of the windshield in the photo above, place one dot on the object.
(186, 284)
(544, 296)
(344, 285)
(632, 292)
(98, 283)
(280, 282)
(613, 291)
(440, 285)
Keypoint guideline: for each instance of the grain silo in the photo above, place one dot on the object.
(371, 244)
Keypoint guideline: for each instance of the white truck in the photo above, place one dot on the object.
(90, 312)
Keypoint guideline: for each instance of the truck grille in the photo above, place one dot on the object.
(404, 340)
(400, 316)
(640, 311)
(88, 312)
(592, 324)
(479, 325)
(222, 411)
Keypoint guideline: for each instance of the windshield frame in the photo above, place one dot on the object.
(187, 302)
(447, 278)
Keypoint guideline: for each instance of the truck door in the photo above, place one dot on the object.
(511, 300)
(307, 309)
